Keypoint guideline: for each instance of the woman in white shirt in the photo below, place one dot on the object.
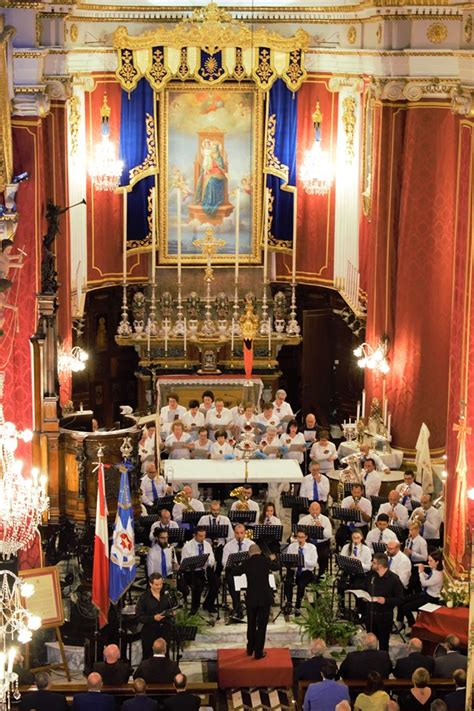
(431, 582)
(268, 516)
(178, 435)
(219, 418)
(324, 452)
(202, 446)
(246, 421)
(358, 550)
(270, 442)
(221, 449)
(193, 419)
(292, 438)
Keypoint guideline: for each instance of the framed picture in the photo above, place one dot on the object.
(210, 145)
(46, 600)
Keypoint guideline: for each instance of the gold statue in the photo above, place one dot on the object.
(249, 323)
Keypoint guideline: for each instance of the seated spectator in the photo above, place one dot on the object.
(158, 669)
(374, 698)
(25, 677)
(438, 705)
(325, 694)
(343, 706)
(112, 670)
(357, 665)
(184, 700)
(415, 659)
(311, 668)
(93, 699)
(446, 664)
(456, 700)
(420, 695)
(140, 702)
(43, 699)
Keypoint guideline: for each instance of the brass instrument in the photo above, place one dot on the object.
(183, 499)
(351, 475)
(240, 494)
(417, 517)
(249, 534)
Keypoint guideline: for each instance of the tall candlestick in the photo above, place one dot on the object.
(166, 336)
(389, 425)
(11, 659)
(265, 241)
(184, 337)
(363, 404)
(232, 336)
(178, 233)
(148, 338)
(385, 410)
(153, 236)
(124, 255)
(3, 658)
(295, 222)
(269, 336)
(237, 233)
(358, 411)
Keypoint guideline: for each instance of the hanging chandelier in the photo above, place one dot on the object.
(72, 361)
(23, 500)
(105, 169)
(373, 358)
(316, 173)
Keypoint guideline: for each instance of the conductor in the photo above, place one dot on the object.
(257, 568)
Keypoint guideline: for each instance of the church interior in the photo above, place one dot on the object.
(236, 281)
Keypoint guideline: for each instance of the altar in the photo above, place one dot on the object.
(233, 389)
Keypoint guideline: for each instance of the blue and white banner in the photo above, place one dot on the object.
(122, 551)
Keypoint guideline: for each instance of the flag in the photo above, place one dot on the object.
(423, 460)
(122, 551)
(100, 571)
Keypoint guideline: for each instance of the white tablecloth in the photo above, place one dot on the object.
(392, 460)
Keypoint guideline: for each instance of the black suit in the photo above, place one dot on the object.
(116, 673)
(93, 701)
(405, 666)
(147, 607)
(43, 701)
(357, 665)
(140, 703)
(259, 600)
(310, 670)
(456, 700)
(157, 670)
(445, 665)
(379, 617)
(184, 701)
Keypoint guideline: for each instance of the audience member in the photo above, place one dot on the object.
(140, 702)
(343, 706)
(446, 664)
(420, 695)
(415, 659)
(112, 670)
(311, 668)
(357, 665)
(25, 677)
(183, 700)
(374, 698)
(93, 699)
(456, 700)
(43, 699)
(439, 705)
(325, 694)
(158, 669)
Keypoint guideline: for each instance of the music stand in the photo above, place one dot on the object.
(348, 565)
(242, 516)
(262, 531)
(215, 532)
(346, 515)
(377, 502)
(143, 526)
(348, 488)
(176, 535)
(294, 502)
(192, 517)
(289, 560)
(236, 559)
(194, 562)
(164, 502)
(314, 532)
(379, 547)
(398, 531)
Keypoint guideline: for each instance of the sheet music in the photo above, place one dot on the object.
(363, 595)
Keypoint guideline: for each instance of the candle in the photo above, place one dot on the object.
(237, 233)
(124, 256)
(184, 336)
(11, 659)
(232, 336)
(153, 237)
(358, 411)
(295, 220)
(179, 234)
(148, 337)
(385, 410)
(389, 425)
(363, 404)
(3, 657)
(269, 336)
(166, 335)
(265, 241)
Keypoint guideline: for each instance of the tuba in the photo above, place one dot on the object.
(240, 494)
(183, 499)
(351, 475)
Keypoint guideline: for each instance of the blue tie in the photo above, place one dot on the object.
(200, 548)
(422, 529)
(240, 546)
(315, 491)
(154, 491)
(164, 569)
(300, 561)
(405, 500)
(390, 561)
(355, 551)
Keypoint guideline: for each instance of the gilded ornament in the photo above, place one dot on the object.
(272, 163)
(378, 34)
(150, 163)
(74, 120)
(73, 32)
(437, 33)
(352, 34)
(468, 29)
(349, 122)
(183, 68)
(249, 322)
(6, 150)
(239, 69)
(158, 71)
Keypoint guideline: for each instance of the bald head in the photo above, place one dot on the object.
(343, 706)
(415, 645)
(139, 686)
(393, 548)
(370, 641)
(94, 682)
(111, 653)
(254, 550)
(393, 497)
(315, 509)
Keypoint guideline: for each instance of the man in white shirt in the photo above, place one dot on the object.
(164, 523)
(355, 502)
(219, 418)
(324, 452)
(430, 519)
(238, 544)
(252, 505)
(398, 562)
(193, 419)
(193, 505)
(281, 408)
(161, 557)
(304, 571)
(397, 513)
(152, 487)
(366, 453)
(323, 546)
(415, 545)
(172, 411)
(315, 486)
(381, 533)
(371, 478)
(409, 491)
(196, 579)
(215, 518)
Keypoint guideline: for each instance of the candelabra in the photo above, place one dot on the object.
(293, 328)
(124, 327)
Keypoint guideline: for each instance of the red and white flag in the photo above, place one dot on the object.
(100, 571)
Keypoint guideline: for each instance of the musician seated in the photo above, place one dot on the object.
(357, 549)
(172, 411)
(247, 502)
(281, 408)
(354, 502)
(215, 518)
(416, 549)
(270, 444)
(193, 419)
(188, 503)
(201, 447)
(196, 579)
(430, 520)
(207, 402)
(221, 448)
(409, 491)
(147, 445)
(161, 557)
(324, 452)
(152, 487)
(219, 418)
(398, 562)
(268, 517)
(315, 486)
(292, 443)
(178, 442)
(371, 478)
(303, 573)
(381, 533)
(316, 518)
(396, 512)
(267, 418)
(164, 523)
(431, 582)
(238, 544)
(367, 453)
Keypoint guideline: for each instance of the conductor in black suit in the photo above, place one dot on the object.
(257, 568)
(43, 699)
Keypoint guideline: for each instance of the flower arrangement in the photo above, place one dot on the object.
(455, 593)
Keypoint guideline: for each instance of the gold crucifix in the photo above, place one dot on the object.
(209, 246)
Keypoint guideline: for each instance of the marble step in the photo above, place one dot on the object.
(285, 634)
(208, 651)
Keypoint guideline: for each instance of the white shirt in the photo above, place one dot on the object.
(199, 448)
(372, 483)
(147, 489)
(321, 521)
(179, 508)
(320, 454)
(147, 447)
(220, 520)
(373, 536)
(283, 410)
(401, 565)
(219, 420)
(265, 445)
(362, 553)
(244, 421)
(287, 441)
(310, 554)
(419, 549)
(167, 415)
(401, 511)
(268, 421)
(181, 452)
(219, 451)
(154, 559)
(232, 547)
(379, 465)
(253, 506)
(191, 549)
(432, 584)
(364, 504)
(409, 493)
(189, 420)
(162, 527)
(307, 487)
(431, 525)
(271, 521)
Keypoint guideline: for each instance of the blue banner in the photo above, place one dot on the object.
(122, 551)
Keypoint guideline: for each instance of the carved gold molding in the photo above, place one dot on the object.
(437, 33)
(468, 29)
(348, 119)
(74, 121)
(6, 150)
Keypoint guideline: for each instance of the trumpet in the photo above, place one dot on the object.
(240, 494)
(184, 500)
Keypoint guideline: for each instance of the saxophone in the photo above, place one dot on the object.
(183, 499)
(240, 494)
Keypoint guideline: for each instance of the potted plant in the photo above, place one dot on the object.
(186, 625)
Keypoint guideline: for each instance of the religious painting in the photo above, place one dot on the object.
(211, 148)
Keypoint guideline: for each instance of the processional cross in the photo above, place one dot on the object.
(209, 245)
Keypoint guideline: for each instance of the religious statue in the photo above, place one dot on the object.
(210, 189)
(101, 335)
(49, 282)
(8, 261)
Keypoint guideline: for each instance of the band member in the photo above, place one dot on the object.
(164, 523)
(431, 582)
(251, 505)
(196, 579)
(397, 513)
(371, 478)
(212, 519)
(221, 448)
(193, 505)
(239, 544)
(152, 487)
(178, 442)
(292, 443)
(303, 574)
(367, 453)
(324, 452)
(202, 445)
(416, 549)
(357, 550)
(153, 611)
(161, 557)
(323, 546)
(315, 486)
(219, 418)
(381, 533)
(409, 491)
(386, 592)
(355, 502)
(257, 568)
(268, 517)
(398, 562)
(430, 520)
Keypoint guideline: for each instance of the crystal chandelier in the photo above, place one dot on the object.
(105, 169)
(23, 499)
(72, 361)
(316, 173)
(373, 358)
